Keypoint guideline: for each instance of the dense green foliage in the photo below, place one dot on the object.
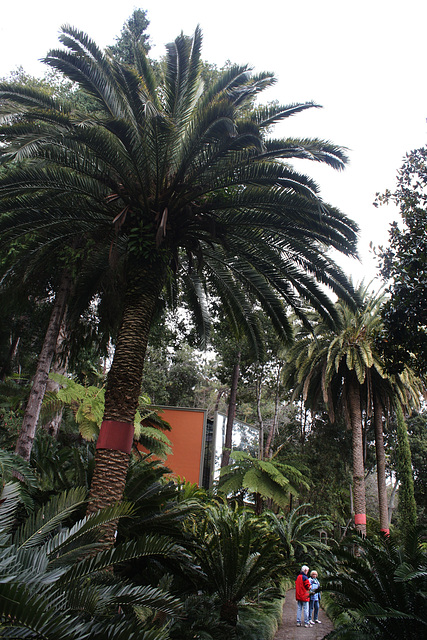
(380, 592)
(404, 264)
(55, 581)
(407, 505)
(158, 185)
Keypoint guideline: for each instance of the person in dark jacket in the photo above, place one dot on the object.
(302, 587)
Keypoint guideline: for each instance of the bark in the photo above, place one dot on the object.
(380, 454)
(229, 612)
(218, 399)
(7, 365)
(231, 413)
(59, 366)
(32, 412)
(258, 387)
(358, 465)
(124, 385)
(273, 427)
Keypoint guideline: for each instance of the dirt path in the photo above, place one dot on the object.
(288, 629)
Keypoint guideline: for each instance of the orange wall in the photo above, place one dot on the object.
(186, 437)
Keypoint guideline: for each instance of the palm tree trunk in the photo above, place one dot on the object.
(380, 454)
(25, 440)
(123, 390)
(358, 466)
(231, 413)
(229, 613)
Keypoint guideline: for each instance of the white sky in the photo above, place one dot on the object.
(364, 62)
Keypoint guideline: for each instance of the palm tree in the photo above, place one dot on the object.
(344, 369)
(173, 182)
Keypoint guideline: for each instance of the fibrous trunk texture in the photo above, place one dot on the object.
(124, 386)
(380, 454)
(32, 411)
(355, 415)
(229, 612)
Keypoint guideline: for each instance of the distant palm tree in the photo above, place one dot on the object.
(343, 368)
(172, 182)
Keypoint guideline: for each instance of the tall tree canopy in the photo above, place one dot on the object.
(175, 185)
(404, 263)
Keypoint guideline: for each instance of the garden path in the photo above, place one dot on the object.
(288, 629)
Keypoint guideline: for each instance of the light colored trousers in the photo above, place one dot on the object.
(302, 606)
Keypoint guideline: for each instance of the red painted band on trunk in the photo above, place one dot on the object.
(360, 518)
(117, 436)
(386, 531)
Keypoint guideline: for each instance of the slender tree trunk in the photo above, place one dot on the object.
(358, 466)
(380, 454)
(273, 427)
(7, 365)
(59, 366)
(218, 398)
(32, 412)
(123, 391)
(258, 387)
(231, 413)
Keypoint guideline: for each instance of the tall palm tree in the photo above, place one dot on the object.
(175, 182)
(343, 368)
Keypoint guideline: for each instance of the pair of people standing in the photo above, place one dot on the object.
(307, 596)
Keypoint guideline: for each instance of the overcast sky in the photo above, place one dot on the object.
(364, 62)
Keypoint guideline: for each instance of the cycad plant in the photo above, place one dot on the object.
(302, 536)
(57, 581)
(175, 184)
(239, 562)
(381, 593)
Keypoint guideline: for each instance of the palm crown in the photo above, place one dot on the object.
(166, 178)
(164, 170)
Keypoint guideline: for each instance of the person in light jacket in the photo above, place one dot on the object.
(302, 586)
(315, 596)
